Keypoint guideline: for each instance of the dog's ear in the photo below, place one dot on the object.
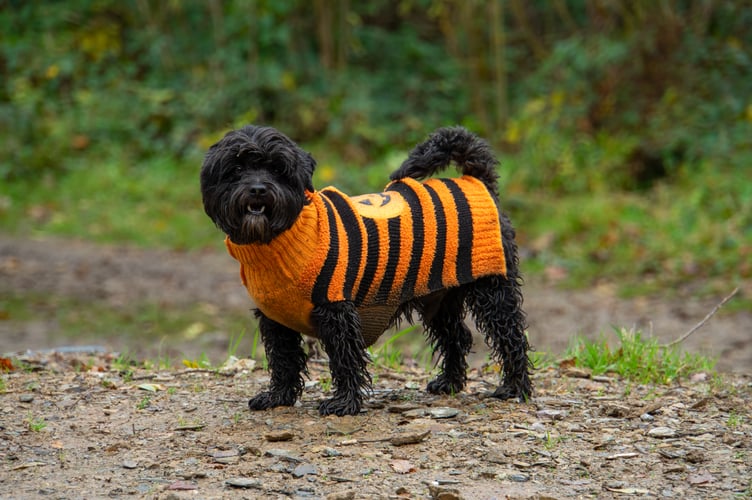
(309, 166)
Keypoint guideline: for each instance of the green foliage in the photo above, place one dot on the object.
(391, 352)
(144, 403)
(235, 340)
(698, 229)
(645, 361)
(35, 424)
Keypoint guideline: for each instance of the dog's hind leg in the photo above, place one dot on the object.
(339, 329)
(496, 305)
(451, 339)
(287, 364)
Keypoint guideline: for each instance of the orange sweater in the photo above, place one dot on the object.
(377, 250)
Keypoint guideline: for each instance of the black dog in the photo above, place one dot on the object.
(344, 269)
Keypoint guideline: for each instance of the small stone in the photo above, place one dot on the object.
(496, 458)
(409, 438)
(26, 398)
(538, 427)
(130, 464)
(276, 436)
(183, 486)
(341, 495)
(552, 414)
(443, 412)
(303, 470)
(226, 457)
(662, 432)
(616, 410)
(647, 417)
(440, 493)
(415, 413)
(242, 482)
(282, 454)
(695, 456)
(330, 452)
(402, 407)
(518, 478)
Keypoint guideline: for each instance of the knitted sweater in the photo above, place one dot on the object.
(377, 250)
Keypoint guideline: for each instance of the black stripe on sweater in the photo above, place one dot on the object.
(416, 211)
(323, 280)
(393, 231)
(436, 275)
(464, 264)
(354, 240)
(372, 259)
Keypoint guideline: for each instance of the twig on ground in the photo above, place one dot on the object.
(704, 320)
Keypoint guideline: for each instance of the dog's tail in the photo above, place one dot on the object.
(472, 155)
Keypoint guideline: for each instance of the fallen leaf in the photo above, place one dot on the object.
(402, 466)
(151, 387)
(6, 365)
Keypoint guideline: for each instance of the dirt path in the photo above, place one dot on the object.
(117, 276)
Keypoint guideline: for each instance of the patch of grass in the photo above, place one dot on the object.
(550, 441)
(734, 420)
(35, 424)
(389, 354)
(124, 364)
(202, 362)
(406, 344)
(637, 359)
(144, 403)
(234, 344)
(541, 360)
(326, 384)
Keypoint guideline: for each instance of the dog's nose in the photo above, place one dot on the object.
(257, 190)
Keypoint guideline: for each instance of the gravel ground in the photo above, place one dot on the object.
(75, 427)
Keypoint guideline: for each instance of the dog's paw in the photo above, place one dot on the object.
(268, 399)
(504, 392)
(442, 385)
(340, 406)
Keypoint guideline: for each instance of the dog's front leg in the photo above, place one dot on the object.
(338, 327)
(287, 364)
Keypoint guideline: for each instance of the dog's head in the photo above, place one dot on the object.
(254, 183)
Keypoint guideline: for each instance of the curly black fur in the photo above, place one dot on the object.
(472, 155)
(287, 364)
(253, 184)
(338, 327)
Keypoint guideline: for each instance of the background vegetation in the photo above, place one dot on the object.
(623, 127)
